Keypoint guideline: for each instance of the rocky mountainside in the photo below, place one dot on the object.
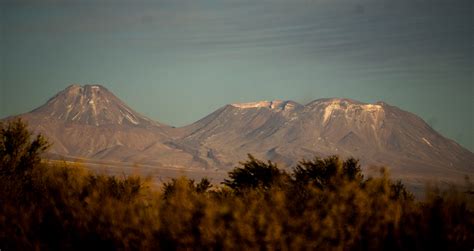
(285, 131)
(92, 105)
(90, 122)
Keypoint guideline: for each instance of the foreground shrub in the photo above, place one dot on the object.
(255, 174)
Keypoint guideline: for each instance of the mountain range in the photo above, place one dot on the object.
(91, 122)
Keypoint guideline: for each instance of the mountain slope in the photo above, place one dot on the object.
(378, 134)
(90, 122)
(92, 105)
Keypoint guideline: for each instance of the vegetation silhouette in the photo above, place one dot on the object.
(324, 203)
(255, 174)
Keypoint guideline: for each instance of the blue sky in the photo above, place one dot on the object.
(178, 60)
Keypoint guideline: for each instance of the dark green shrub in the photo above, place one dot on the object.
(327, 172)
(255, 174)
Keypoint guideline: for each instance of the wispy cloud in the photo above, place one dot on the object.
(320, 46)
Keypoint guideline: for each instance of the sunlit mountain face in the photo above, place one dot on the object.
(91, 122)
(92, 105)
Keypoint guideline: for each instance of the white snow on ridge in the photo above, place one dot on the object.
(131, 119)
(274, 105)
(348, 108)
(329, 110)
(371, 108)
(253, 104)
(427, 142)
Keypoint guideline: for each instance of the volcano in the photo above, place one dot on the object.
(91, 122)
(285, 132)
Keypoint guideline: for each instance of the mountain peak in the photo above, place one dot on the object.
(347, 108)
(76, 87)
(345, 103)
(273, 105)
(91, 104)
(341, 101)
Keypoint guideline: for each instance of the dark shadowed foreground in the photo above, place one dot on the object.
(322, 204)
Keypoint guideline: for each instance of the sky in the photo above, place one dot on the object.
(176, 61)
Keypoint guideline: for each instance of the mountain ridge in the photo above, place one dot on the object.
(91, 122)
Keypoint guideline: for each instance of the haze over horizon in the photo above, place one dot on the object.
(179, 60)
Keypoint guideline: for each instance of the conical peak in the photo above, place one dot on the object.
(92, 94)
(94, 88)
(93, 105)
(85, 88)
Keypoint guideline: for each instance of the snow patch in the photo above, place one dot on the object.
(68, 110)
(371, 108)
(77, 115)
(94, 108)
(129, 118)
(349, 109)
(427, 142)
(274, 105)
(329, 110)
(253, 105)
